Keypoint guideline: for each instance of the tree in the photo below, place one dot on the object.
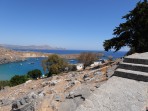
(34, 74)
(54, 64)
(44, 65)
(87, 58)
(133, 33)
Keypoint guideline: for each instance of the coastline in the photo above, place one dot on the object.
(10, 56)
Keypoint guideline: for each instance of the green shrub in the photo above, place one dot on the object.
(48, 74)
(4, 83)
(16, 80)
(72, 68)
(34, 74)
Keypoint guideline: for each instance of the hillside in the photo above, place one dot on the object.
(54, 93)
(8, 55)
(88, 90)
(31, 47)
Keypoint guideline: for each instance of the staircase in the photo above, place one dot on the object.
(134, 67)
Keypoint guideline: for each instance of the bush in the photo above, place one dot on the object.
(34, 74)
(72, 68)
(16, 80)
(48, 74)
(4, 83)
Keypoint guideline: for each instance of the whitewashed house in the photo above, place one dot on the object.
(80, 66)
(96, 63)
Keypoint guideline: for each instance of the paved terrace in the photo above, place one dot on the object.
(126, 90)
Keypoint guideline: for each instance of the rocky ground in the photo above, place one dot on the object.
(118, 94)
(58, 93)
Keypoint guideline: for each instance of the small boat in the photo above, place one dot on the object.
(21, 64)
(31, 63)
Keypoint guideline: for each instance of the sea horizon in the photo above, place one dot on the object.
(68, 51)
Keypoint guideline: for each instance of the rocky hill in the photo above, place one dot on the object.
(89, 90)
(31, 47)
(63, 93)
(8, 55)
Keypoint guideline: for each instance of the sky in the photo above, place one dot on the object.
(70, 24)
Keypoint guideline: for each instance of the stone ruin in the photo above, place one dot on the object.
(24, 104)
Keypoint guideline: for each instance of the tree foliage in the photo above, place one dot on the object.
(72, 67)
(54, 64)
(16, 80)
(19, 79)
(133, 33)
(34, 74)
(87, 58)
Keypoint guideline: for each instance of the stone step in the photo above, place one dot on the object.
(135, 75)
(135, 67)
(136, 60)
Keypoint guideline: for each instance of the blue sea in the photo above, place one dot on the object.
(20, 68)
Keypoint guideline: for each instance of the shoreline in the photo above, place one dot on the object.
(10, 56)
(68, 56)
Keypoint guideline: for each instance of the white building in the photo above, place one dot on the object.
(80, 66)
(96, 63)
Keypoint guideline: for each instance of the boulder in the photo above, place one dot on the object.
(86, 77)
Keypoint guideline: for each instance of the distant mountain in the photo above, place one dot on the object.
(32, 47)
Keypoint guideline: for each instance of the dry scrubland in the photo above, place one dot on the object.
(61, 92)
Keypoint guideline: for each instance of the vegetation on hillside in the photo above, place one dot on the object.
(34, 74)
(4, 83)
(20, 79)
(133, 33)
(17, 79)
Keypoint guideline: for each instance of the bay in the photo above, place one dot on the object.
(20, 68)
